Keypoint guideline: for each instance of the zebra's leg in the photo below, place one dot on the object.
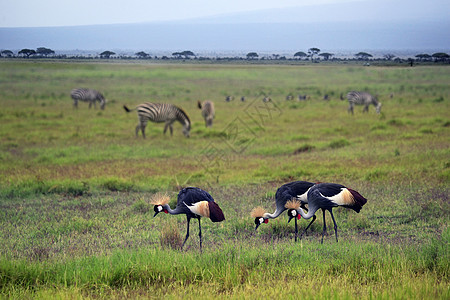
(165, 127)
(171, 130)
(350, 108)
(143, 129)
(75, 103)
(366, 108)
(138, 127)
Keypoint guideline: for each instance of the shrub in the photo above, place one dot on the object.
(117, 185)
(170, 238)
(339, 143)
(141, 206)
(304, 148)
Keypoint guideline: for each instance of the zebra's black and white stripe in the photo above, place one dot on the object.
(87, 95)
(208, 112)
(159, 113)
(362, 98)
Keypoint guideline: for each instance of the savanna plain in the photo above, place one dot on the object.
(76, 184)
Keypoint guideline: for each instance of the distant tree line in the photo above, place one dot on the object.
(313, 54)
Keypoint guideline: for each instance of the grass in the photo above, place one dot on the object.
(75, 185)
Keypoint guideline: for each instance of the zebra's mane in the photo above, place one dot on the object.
(184, 114)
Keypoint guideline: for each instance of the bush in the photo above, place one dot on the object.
(339, 143)
(171, 238)
(117, 185)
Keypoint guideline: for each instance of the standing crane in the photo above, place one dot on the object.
(295, 189)
(326, 196)
(194, 203)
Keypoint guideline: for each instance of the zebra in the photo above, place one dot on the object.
(87, 95)
(208, 112)
(158, 113)
(229, 98)
(362, 98)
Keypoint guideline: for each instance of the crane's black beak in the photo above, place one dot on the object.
(290, 218)
(155, 214)
(257, 225)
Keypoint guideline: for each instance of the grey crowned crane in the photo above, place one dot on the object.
(295, 189)
(194, 203)
(326, 196)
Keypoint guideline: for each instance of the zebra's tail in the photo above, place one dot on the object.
(127, 109)
(199, 104)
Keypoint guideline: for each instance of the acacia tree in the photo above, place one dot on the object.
(106, 54)
(27, 52)
(423, 57)
(300, 54)
(142, 54)
(363, 55)
(440, 56)
(312, 52)
(7, 53)
(186, 54)
(326, 56)
(44, 51)
(252, 55)
(389, 56)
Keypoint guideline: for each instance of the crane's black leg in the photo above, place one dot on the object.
(187, 232)
(200, 233)
(296, 230)
(335, 225)
(324, 225)
(314, 218)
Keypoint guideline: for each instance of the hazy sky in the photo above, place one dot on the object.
(35, 13)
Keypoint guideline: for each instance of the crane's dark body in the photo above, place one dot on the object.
(289, 191)
(329, 195)
(286, 192)
(295, 189)
(189, 197)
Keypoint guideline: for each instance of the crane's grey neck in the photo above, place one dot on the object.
(273, 215)
(178, 210)
(310, 213)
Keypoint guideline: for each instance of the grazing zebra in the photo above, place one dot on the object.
(208, 112)
(229, 98)
(302, 97)
(87, 95)
(267, 99)
(158, 113)
(362, 98)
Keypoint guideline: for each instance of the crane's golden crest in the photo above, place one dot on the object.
(293, 204)
(257, 212)
(160, 199)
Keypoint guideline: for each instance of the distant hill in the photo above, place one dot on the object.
(369, 25)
